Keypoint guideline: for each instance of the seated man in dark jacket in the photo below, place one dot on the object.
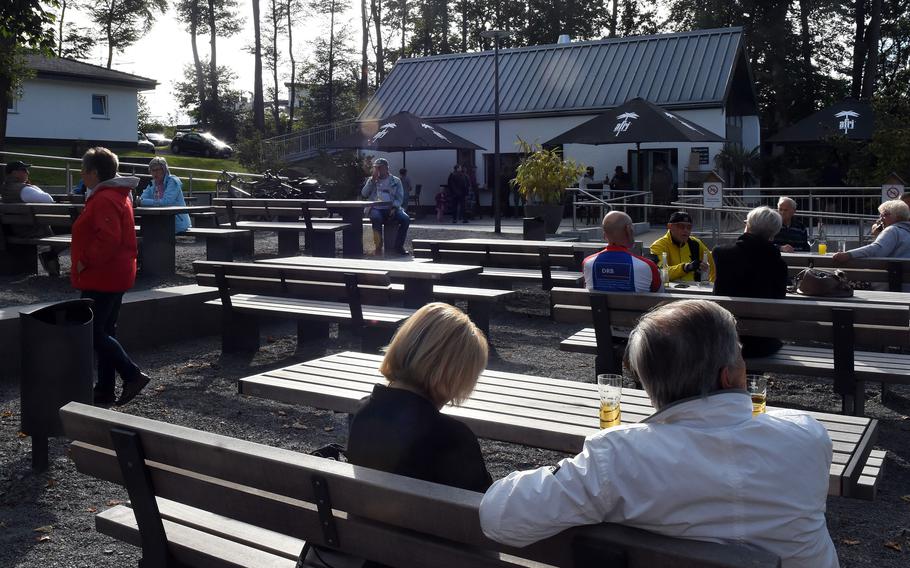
(752, 267)
(792, 235)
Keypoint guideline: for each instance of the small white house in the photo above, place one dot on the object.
(68, 100)
(546, 90)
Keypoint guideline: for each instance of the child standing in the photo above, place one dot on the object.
(440, 204)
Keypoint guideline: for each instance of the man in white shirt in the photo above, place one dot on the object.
(700, 468)
(17, 189)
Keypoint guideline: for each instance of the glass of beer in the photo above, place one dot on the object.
(757, 385)
(610, 389)
(822, 248)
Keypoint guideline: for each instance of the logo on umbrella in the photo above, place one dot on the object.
(383, 130)
(624, 123)
(434, 131)
(847, 123)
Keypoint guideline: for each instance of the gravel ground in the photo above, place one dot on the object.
(47, 519)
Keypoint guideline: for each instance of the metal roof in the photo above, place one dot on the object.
(683, 70)
(72, 70)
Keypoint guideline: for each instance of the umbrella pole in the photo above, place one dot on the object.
(640, 179)
(404, 159)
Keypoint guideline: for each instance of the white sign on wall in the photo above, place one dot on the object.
(892, 191)
(713, 194)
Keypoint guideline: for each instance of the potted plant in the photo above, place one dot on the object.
(541, 180)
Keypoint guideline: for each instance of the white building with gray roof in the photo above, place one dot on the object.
(545, 90)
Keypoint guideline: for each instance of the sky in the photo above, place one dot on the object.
(163, 52)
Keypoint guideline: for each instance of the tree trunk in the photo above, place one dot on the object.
(292, 92)
(364, 60)
(427, 20)
(330, 114)
(213, 59)
(276, 115)
(197, 65)
(872, 48)
(404, 22)
(859, 48)
(613, 20)
(6, 46)
(108, 29)
(62, 16)
(376, 6)
(444, 32)
(258, 103)
(805, 40)
(464, 26)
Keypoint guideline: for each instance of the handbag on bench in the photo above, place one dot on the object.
(823, 282)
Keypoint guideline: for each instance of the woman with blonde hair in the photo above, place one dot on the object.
(435, 358)
(165, 190)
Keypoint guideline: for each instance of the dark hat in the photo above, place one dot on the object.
(17, 165)
(680, 217)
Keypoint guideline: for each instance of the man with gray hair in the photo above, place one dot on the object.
(752, 268)
(792, 235)
(700, 468)
(893, 241)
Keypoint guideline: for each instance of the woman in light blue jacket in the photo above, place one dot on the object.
(165, 190)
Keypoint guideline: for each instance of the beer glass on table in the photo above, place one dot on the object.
(610, 389)
(757, 385)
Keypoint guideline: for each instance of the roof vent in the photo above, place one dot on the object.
(563, 38)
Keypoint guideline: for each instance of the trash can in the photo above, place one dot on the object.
(57, 360)
(534, 229)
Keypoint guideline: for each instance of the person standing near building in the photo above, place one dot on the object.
(458, 191)
(103, 253)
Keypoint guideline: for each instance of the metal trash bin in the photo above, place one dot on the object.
(534, 229)
(57, 361)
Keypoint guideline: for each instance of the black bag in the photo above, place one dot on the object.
(824, 283)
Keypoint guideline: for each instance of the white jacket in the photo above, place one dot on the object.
(701, 469)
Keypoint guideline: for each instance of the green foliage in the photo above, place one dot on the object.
(123, 22)
(223, 121)
(252, 153)
(543, 176)
(340, 173)
(329, 101)
(737, 164)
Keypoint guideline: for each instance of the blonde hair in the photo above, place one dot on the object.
(439, 351)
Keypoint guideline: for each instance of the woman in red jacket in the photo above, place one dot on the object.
(103, 253)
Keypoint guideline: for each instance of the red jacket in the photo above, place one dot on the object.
(104, 239)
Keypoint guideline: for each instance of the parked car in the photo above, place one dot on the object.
(144, 145)
(158, 139)
(201, 143)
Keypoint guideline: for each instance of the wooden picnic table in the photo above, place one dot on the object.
(158, 238)
(535, 411)
(418, 277)
(352, 213)
(859, 296)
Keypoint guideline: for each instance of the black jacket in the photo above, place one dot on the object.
(751, 268)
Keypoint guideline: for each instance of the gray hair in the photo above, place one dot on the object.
(677, 350)
(763, 222)
(897, 208)
(787, 200)
(158, 161)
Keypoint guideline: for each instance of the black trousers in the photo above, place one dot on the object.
(111, 355)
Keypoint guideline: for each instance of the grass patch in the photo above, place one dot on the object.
(57, 177)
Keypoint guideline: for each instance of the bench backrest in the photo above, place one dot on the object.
(872, 325)
(56, 214)
(312, 283)
(367, 513)
(271, 209)
(512, 255)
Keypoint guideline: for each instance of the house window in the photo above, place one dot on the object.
(99, 105)
(11, 105)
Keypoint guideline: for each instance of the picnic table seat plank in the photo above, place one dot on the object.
(518, 408)
(314, 309)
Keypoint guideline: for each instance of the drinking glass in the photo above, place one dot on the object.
(822, 248)
(757, 385)
(842, 246)
(610, 389)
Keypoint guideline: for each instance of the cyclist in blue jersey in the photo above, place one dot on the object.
(615, 268)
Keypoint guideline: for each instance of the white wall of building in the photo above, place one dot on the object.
(63, 110)
(751, 133)
(431, 168)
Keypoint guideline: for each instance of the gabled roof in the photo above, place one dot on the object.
(63, 68)
(700, 69)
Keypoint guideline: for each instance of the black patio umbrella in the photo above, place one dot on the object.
(851, 118)
(402, 132)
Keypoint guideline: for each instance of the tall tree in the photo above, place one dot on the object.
(364, 58)
(24, 24)
(60, 28)
(376, 10)
(190, 12)
(331, 8)
(258, 101)
(612, 22)
(293, 7)
(77, 43)
(872, 49)
(275, 26)
(123, 22)
(332, 99)
(859, 47)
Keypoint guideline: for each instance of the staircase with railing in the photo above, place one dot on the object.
(305, 144)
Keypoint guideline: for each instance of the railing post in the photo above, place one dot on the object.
(69, 179)
(191, 183)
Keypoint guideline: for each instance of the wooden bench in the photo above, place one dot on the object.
(283, 216)
(315, 297)
(839, 340)
(389, 233)
(219, 243)
(480, 300)
(202, 499)
(18, 254)
(894, 272)
(508, 262)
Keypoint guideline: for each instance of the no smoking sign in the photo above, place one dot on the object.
(713, 195)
